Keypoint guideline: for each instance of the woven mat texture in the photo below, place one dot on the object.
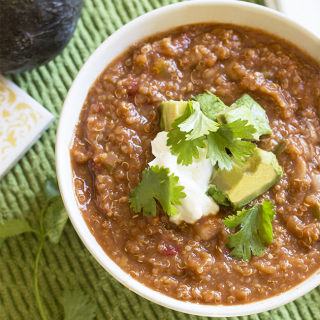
(69, 265)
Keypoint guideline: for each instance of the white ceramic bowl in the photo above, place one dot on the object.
(238, 13)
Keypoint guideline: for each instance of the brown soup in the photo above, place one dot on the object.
(111, 148)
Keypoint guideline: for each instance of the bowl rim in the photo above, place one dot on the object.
(63, 168)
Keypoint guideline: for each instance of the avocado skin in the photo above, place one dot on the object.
(218, 196)
(33, 32)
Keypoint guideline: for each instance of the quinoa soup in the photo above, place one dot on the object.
(112, 146)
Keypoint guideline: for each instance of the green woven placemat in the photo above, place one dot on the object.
(69, 264)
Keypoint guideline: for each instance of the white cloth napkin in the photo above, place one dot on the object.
(22, 121)
(305, 12)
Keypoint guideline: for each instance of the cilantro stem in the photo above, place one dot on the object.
(36, 264)
(35, 279)
(36, 232)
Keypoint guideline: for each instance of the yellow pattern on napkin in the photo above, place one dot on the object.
(22, 120)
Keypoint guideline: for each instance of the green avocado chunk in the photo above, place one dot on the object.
(246, 181)
(169, 111)
(258, 114)
(210, 104)
(241, 111)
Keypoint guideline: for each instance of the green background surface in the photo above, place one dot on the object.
(69, 265)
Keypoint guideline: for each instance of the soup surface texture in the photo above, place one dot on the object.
(112, 146)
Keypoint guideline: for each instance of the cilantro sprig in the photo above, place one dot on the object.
(255, 231)
(53, 218)
(195, 125)
(156, 184)
(229, 137)
(77, 305)
(184, 149)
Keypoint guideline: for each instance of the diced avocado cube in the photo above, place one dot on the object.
(227, 181)
(210, 104)
(215, 170)
(236, 112)
(169, 111)
(246, 181)
(258, 114)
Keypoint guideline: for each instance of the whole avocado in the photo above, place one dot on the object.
(33, 32)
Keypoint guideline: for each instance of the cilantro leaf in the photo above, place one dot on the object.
(14, 227)
(54, 220)
(77, 305)
(210, 104)
(156, 184)
(227, 137)
(255, 231)
(51, 189)
(180, 146)
(55, 215)
(198, 124)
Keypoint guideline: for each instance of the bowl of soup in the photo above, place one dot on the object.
(105, 141)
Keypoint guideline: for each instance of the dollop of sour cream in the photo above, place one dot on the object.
(195, 178)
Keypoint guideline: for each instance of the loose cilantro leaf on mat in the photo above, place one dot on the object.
(53, 218)
(198, 124)
(51, 189)
(156, 184)
(77, 306)
(210, 104)
(14, 227)
(255, 231)
(185, 149)
(228, 137)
